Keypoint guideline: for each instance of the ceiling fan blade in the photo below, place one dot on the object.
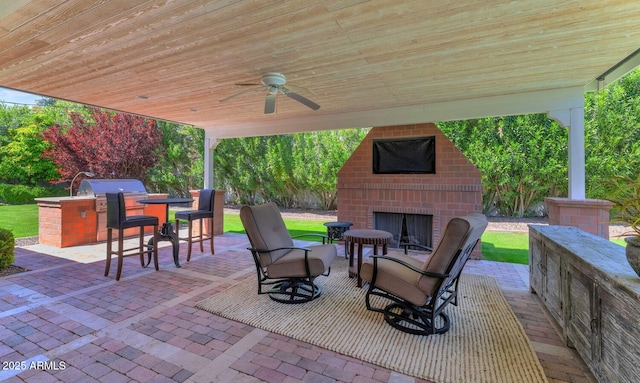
(241, 93)
(270, 104)
(300, 99)
(299, 89)
(247, 84)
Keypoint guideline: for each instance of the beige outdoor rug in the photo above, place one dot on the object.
(486, 343)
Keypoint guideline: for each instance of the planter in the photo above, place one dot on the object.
(633, 253)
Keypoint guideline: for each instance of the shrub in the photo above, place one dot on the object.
(7, 248)
(21, 194)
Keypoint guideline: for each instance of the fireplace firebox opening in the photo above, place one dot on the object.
(406, 228)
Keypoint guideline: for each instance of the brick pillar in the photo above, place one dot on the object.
(218, 212)
(591, 215)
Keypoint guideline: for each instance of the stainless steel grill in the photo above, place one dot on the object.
(96, 188)
(133, 191)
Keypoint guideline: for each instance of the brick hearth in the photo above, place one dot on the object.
(454, 190)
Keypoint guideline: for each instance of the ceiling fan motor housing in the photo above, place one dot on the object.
(273, 79)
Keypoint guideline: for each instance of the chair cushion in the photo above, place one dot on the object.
(292, 264)
(266, 230)
(459, 235)
(395, 278)
(190, 215)
(139, 220)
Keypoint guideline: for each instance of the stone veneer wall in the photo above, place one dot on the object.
(454, 190)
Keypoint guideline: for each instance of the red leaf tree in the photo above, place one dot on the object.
(109, 144)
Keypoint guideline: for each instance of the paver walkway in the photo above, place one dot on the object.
(64, 321)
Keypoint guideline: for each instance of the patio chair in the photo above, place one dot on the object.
(420, 291)
(205, 211)
(288, 270)
(117, 220)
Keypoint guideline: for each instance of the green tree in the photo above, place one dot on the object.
(239, 167)
(319, 157)
(522, 159)
(181, 165)
(286, 169)
(21, 158)
(612, 133)
(12, 117)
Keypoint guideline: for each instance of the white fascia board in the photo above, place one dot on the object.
(503, 105)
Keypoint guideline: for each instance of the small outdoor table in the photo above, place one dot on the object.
(166, 230)
(335, 232)
(365, 237)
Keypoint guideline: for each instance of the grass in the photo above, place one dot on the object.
(496, 246)
(505, 247)
(22, 220)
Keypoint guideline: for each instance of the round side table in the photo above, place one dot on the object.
(365, 237)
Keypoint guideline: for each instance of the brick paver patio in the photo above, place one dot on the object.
(64, 321)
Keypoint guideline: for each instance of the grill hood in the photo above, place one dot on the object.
(98, 188)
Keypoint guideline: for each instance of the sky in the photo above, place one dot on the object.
(9, 95)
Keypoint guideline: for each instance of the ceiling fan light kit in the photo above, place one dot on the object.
(273, 83)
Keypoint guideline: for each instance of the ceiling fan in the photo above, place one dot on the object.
(273, 83)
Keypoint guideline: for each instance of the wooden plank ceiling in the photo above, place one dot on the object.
(175, 60)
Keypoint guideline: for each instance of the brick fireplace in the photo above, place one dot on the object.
(454, 190)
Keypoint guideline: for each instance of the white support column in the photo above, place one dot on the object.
(573, 119)
(590, 215)
(210, 144)
(577, 186)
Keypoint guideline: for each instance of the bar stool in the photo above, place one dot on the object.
(117, 219)
(205, 211)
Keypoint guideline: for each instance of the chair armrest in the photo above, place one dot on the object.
(407, 244)
(407, 265)
(306, 249)
(323, 236)
(306, 254)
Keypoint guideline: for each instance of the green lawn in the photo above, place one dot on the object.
(22, 220)
(496, 246)
(505, 247)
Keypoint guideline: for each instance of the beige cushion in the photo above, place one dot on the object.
(459, 235)
(266, 230)
(292, 264)
(395, 278)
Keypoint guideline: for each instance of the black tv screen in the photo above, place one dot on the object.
(405, 155)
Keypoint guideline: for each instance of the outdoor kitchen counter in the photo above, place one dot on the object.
(73, 221)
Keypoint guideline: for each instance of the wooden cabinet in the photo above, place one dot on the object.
(545, 273)
(594, 295)
(581, 310)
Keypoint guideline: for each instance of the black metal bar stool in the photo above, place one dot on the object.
(205, 211)
(117, 219)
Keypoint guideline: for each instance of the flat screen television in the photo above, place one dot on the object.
(415, 155)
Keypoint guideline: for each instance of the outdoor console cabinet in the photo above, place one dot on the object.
(594, 295)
